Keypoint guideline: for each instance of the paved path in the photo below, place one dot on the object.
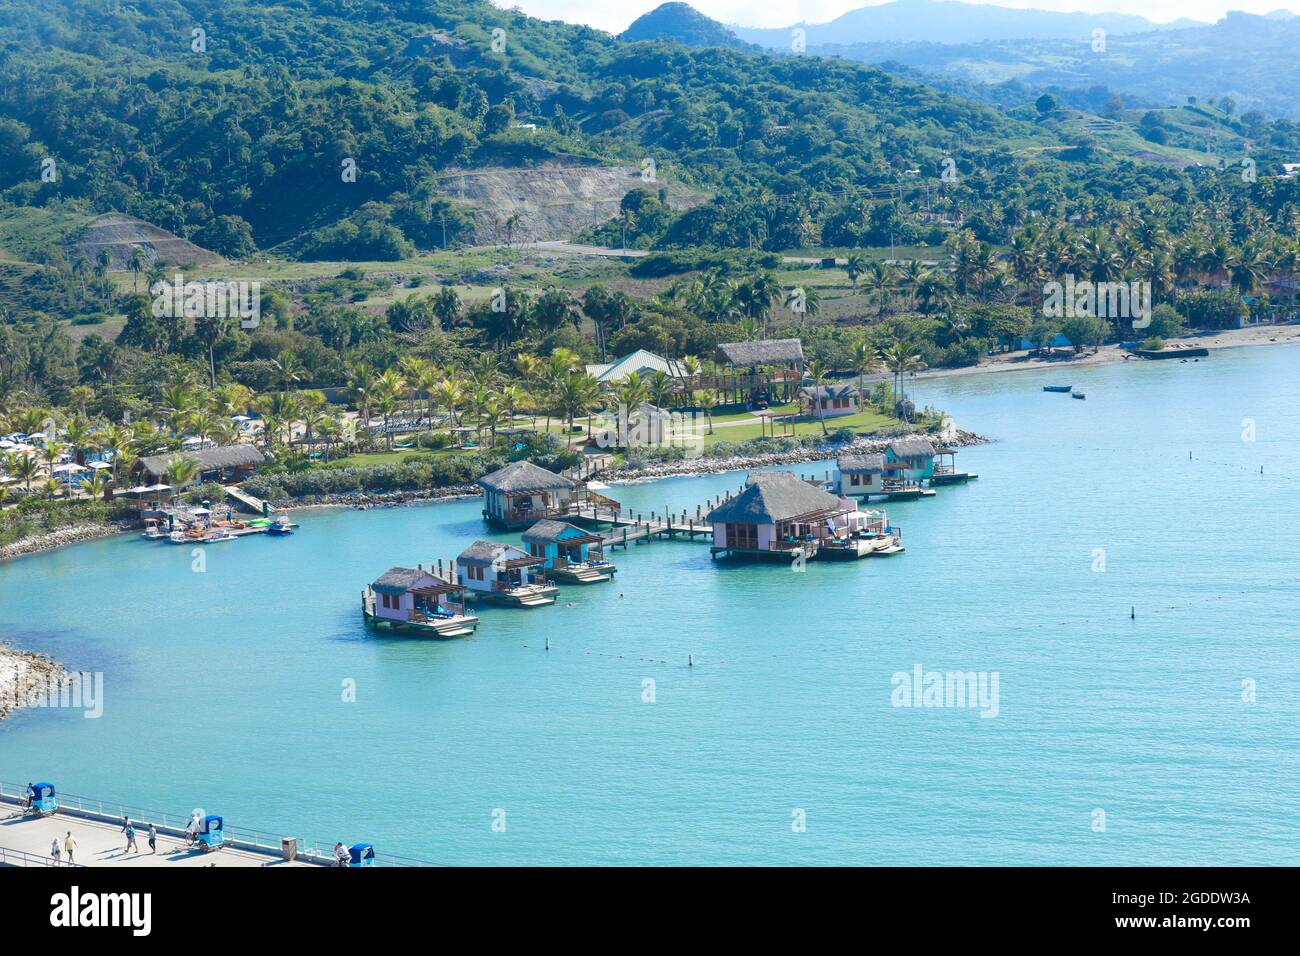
(103, 844)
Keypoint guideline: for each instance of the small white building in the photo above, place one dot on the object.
(829, 401)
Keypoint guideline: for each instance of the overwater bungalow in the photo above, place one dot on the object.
(876, 476)
(778, 515)
(521, 493)
(829, 401)
(413, 601)
(859, 475)
(498, 573)
(914, 457)
(945, 468)
(569, 554)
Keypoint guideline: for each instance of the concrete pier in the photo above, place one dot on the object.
(25, 841)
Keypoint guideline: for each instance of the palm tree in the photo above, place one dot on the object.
(856, 265)
(865, 360)
(579, 394)
(817, 373)
(690, 367)
(387, 404)
(661, 386)
(181, 471)
(880, 280)
(24, 468)
(900, 358)
(708, 401)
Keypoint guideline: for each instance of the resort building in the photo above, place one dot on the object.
(777, 514)
(859, 475)
(642, 362)
(913, 457)
(226, 464)
(829, 401)
(503, 574)
(761, 373)
(569, 554)
(521, 493)
(413, 600)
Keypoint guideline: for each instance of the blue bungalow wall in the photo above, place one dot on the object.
(918, 468)
(551, 549)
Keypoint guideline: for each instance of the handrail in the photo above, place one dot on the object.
(7, 856)
(260, 840)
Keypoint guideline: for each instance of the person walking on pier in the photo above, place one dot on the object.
(153, 839)
(129, 830)
(56, 851)
(70, 847)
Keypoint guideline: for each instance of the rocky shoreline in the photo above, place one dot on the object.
(693, 466)
(25, 676)
(57, 539)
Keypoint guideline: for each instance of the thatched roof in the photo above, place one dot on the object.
(209, 459)
(549, 530)
(862, 464)
(487, 552)
(911, 447)
(773, 496)
(397, 580)
(521, 476)
(771, 352)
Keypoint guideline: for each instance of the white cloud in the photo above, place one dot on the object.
(778, 13)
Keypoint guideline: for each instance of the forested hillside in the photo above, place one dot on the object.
(241, 143)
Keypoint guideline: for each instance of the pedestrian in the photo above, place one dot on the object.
(153, 839)
(130, 838)
(70, 847)
(56, 851)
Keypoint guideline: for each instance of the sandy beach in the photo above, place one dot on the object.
(1063, 359)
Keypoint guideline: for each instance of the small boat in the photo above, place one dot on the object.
(279, 530)
(1057, 388)
(1078, 395)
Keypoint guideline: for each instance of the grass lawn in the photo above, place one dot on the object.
(864, 421)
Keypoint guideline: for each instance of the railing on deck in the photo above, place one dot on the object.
(262, 840)
(19, 858)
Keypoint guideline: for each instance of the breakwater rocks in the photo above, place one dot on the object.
(798, 456)
(57, 539)
(648, 472)
(25, 676)
(378, 499)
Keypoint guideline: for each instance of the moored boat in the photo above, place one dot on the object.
(1058, 388)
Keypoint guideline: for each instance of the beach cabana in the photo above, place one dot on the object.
(829, 401)
(414, 601)
(754, 370)
(778, 514)
(227, 463)
(503, 574)
(569, 554)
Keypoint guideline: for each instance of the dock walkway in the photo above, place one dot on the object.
(96, 826)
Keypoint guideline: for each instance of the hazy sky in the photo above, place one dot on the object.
(615, 15)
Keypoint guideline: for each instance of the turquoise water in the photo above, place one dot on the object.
(223, 689)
